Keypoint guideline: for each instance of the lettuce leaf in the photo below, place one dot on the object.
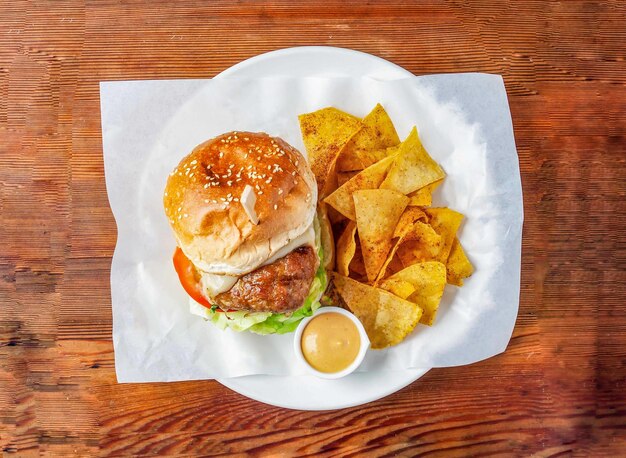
(267, 322)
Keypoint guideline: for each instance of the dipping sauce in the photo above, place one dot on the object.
(330, 342)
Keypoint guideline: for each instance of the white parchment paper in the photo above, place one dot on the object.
(148, 126)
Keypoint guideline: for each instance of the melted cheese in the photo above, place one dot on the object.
(306, 238)
(214, 284)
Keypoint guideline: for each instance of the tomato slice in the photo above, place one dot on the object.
(189, 277)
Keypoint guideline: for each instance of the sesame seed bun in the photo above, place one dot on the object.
(202, 201)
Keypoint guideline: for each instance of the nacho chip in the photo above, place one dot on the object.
(412, 168)
(422, 243)
(370, 178)
(377, 214)
(410, 215)
(325, 133)
(369, 144)
(387, 319)
(458, 266)
(343, 177)
(429, 281)
(365, 159)
(419, 243)
(445, 222)
(346, 247)
(326, 236)
(400, 288)
(424, 197)
(357, 265)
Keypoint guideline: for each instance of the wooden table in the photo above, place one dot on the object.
(558, 390)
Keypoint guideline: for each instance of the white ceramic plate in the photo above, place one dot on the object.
(307, 392)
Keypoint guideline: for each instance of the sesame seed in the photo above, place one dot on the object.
(221, 154)
(166, 194)
(185, 215)
(293, 173)
(260, 192)
(193, 162)
(229, 183)
(280, 191)
(296, 163)
(231, 166)
(223, 141)
(191, 175)
(180, 216)
(222, 199)
(246, 138)
(295, 181)
(206, 201)
(275, 206)
(236, 199)
(229, 195)
(214, 201)
(206, 185)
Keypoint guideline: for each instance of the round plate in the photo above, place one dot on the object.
(308, 392)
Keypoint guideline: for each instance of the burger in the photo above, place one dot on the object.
(252, 248)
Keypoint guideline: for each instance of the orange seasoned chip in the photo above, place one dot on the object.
(410, 215)
(370, 178)
(346, 247)
(326, 236)
(419, 243)
(399, 287)
(377, 214)
(387, 319)
(429, 281)
(446, 223)
(357, 266)
(412, 168)
(343, 177)
(369, 144)
(325, 133)
(458, 266)
(423, 197)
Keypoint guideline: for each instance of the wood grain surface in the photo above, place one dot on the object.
(558, 390)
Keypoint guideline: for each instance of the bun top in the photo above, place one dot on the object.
(202, 201)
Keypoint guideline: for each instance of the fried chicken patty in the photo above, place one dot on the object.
(278, 287)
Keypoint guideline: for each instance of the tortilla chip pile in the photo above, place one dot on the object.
(394, 252)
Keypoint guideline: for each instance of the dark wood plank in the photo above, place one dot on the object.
(557, 391)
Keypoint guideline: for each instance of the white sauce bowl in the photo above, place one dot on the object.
(364, 344)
